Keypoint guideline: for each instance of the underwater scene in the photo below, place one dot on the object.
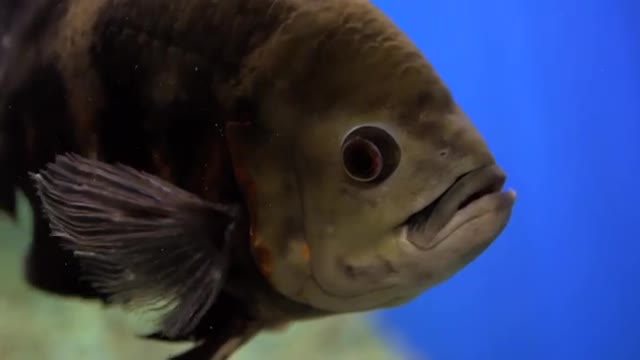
(336, 179)
(34, 325)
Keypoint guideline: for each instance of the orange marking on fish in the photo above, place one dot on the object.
(306, 252)
(235, 133)
(264, 260)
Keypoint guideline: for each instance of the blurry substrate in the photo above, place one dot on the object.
(37, 326)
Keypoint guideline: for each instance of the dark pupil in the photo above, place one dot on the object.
(362, 160)
(370, 155)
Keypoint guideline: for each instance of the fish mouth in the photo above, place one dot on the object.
(472, 194)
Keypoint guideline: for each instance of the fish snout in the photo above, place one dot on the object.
(470, 195)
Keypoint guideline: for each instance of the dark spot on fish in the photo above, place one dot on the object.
(372, 203)
(424, 99)
(348, 191)
(374, 272)
(389, 267)
(350, 271)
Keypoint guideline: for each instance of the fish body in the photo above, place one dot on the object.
(251, 162)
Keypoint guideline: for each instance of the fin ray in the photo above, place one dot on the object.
(142, 241)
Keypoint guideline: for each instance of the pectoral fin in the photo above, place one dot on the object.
(140, 240)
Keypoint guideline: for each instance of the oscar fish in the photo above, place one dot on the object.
(234, 166)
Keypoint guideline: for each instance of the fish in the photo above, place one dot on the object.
(236, 166)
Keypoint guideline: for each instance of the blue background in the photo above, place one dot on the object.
(555, 88)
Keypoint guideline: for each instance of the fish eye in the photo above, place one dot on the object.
(370, 154)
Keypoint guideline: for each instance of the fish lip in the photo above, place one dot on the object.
(483, 183)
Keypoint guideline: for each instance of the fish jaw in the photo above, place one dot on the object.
(466, 220)
(473, 195)
(481, 212)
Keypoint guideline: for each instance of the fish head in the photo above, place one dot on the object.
(366, 181)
